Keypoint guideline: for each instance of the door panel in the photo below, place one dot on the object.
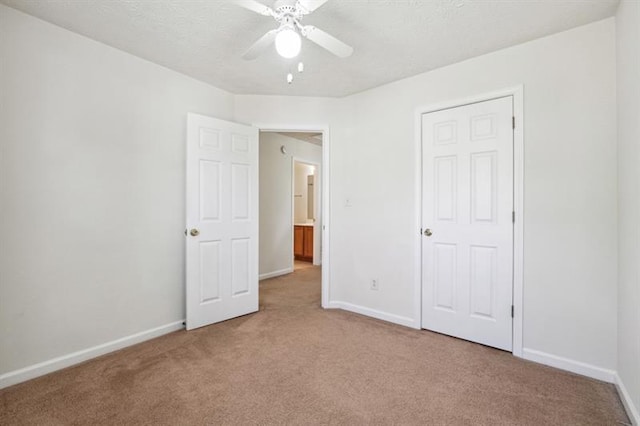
(240, 192)
(446, 187)
(240, 259)
(222, 205)
(483, 187)
(210, 190)
(467, 199)
(482, 280)
(445, 275)
(209, 271)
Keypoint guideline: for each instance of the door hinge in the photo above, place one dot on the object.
(511, 311)
(513, 217)
(513, 122)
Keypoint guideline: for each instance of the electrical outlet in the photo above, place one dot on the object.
(375, 285)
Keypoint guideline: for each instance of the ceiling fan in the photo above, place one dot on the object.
(289, 13)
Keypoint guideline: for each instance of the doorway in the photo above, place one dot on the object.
(470, 220)
(292, 194)
(306, 212)
(223, 220)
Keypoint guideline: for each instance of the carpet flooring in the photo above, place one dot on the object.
(295, 363)
(300, 264)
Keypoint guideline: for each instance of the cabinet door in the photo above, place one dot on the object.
(298, 241)
(308, 242)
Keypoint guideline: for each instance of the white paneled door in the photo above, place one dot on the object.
(222, 220)
(467, 225)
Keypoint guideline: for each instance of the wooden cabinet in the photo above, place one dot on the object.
(308, 243)
(298, 241)
(303, 243)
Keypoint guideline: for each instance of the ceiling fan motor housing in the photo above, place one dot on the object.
(285, 7)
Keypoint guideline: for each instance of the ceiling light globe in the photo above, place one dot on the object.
(288, 43)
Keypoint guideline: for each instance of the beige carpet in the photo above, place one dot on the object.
(294, 363)
(300, 264)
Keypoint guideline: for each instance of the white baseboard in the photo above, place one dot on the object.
(396, 319)
(571, 365)
(46, 367)
(632, 411)
(275, 274)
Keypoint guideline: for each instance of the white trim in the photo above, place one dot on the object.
(55, 364)
(326, 216)
(518, 229)
(571, 365)
(325, 225)
(417, 259)
(274, 274)
(517, 93)
(632, 411)
(292, 201)
(396, 319)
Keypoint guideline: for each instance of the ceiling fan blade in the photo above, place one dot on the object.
(308, 6)
(255, 6)
(327, 41)
(259, 46)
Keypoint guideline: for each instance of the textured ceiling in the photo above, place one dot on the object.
(392, 38)
(314, 138)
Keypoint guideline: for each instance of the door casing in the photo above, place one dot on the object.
(518, 199)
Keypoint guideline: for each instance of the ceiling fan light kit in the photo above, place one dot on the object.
(288, 43)
(288, 14)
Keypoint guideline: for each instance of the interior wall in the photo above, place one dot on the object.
(570, 229)
(276, 198)
(628, 79)
(92, 177)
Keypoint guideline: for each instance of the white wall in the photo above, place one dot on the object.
(570, 185)
(276, 228)
(92, 182)
(628, 66)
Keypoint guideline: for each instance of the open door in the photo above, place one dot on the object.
(222, 220)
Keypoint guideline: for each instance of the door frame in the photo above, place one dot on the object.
(517, 92)
(325, 196)
(317, 243)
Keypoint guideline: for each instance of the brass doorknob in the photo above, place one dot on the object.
(194, 232)
(427, 232)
